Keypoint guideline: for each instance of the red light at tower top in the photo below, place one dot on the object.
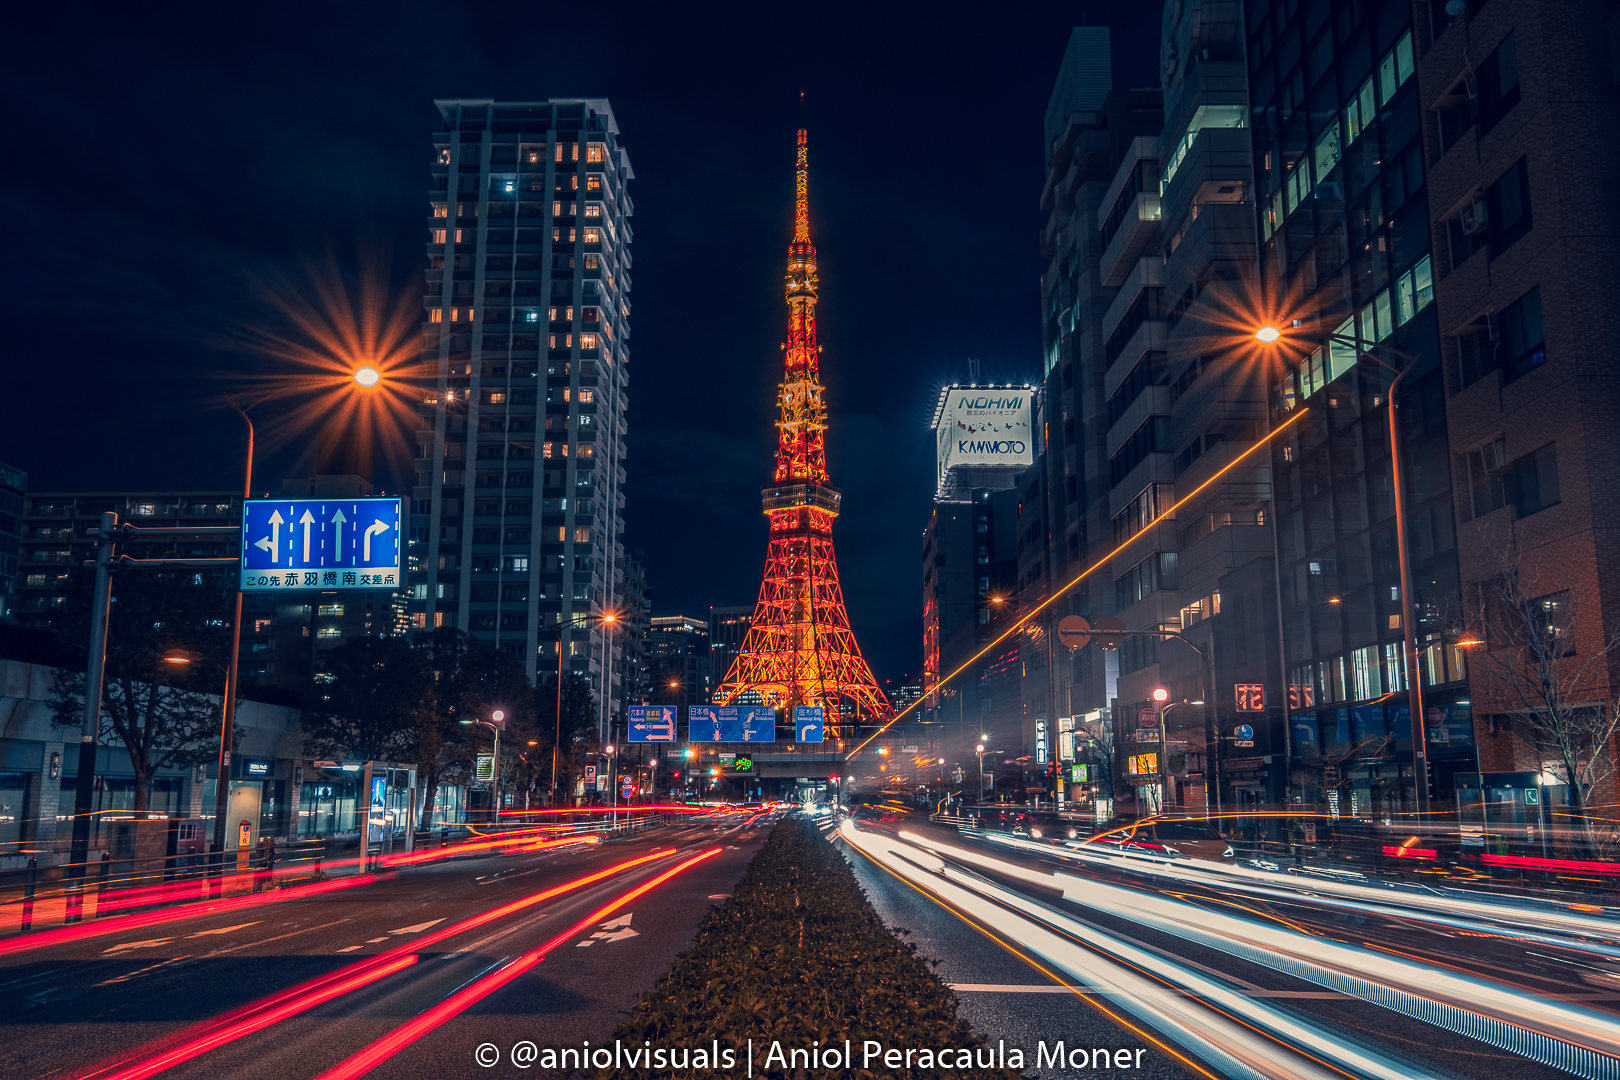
(799, 649)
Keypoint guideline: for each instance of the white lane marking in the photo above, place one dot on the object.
(351, 948)
(225, 929)
(141, 971)
(278, 937)
(373, 941)
(1016, 988)
(149, 944)
(418, 928)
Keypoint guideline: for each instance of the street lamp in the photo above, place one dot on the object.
(496, 721)
(367, 376)
(1271, 335)
(979, 750)
(576, 622)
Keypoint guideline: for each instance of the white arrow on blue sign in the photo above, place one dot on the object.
(652, 723)
(808, 723)
(322, 544)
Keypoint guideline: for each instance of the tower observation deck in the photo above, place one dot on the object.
(799, 649)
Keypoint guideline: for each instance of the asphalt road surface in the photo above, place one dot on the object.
(239, 992)
(1235, 971)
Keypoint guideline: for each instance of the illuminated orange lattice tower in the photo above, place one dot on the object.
(799, 649)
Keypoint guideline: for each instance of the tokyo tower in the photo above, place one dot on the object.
(799, 649)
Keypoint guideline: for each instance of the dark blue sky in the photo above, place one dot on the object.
(163, 163)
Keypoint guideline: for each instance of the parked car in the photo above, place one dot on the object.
(1186, 837)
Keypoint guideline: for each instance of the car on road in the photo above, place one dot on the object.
(1192, 838)
(1046, 825)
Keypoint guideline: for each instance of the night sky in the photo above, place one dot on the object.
(164, 168)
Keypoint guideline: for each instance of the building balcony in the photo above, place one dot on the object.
(1134, 237)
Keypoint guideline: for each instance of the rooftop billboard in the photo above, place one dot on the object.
(977, 425)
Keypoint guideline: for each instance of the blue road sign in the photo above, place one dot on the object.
(652, 723)
(322, 544)
(730, 723)
(807, 723)
(1243, 731)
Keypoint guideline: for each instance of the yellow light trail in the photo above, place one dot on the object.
(1299, 414)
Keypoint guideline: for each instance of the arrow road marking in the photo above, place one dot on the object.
(151, 944)
(418, 928)
(263, 544)
(275, 534)
(225, 929)
(377, 529)
(613, 930)
(337, 524)
(306, 521)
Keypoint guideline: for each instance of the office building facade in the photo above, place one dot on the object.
(521, 442)
(1517, 102)
(678, 658)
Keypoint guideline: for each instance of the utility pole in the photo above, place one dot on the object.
(94, 678)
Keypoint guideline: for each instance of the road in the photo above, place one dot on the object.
(279, 987)
(1240, 972)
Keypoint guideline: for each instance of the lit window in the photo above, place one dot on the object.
(438, 236)
(585, 396)
(551, 314)
(455, 314)
(587, 341)
(419, 621)
(441, 209)
(582, 535)
(594, 152)
(436, 315)
(592, 236)
(593, 183)
(496, 397)
(585, 450)
(329, 632)
(534, 156)
(568, 314)
(556, 209)
(444, 155)
(510, 186)
(531, 316)
(592, 210)
(330, 609)
(587, 235)
(593, 262)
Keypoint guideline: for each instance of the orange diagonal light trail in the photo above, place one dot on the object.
(1081, 576)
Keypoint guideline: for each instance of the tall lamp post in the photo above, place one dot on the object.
(1271, 335)
(978, 750)
(496, 721)
(576, 622)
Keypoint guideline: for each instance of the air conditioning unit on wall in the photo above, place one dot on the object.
(1475, 218)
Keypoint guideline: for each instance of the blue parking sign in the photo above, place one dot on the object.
(322, 544)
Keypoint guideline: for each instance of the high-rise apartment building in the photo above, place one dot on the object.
(727, 628)
(13, 486)
(1517, 104)
(678, 658)
(521, 441)
(1066, 513)
(1348, 269)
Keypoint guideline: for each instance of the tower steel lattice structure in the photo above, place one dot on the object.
(799, 648)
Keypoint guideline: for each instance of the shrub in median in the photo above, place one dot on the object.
(797, 957)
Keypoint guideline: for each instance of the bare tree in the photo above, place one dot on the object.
(160, 713)
(1552, 682)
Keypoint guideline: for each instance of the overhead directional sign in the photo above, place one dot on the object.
(730, 723)
(652, 723)
(807, 723)
(321, 544)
